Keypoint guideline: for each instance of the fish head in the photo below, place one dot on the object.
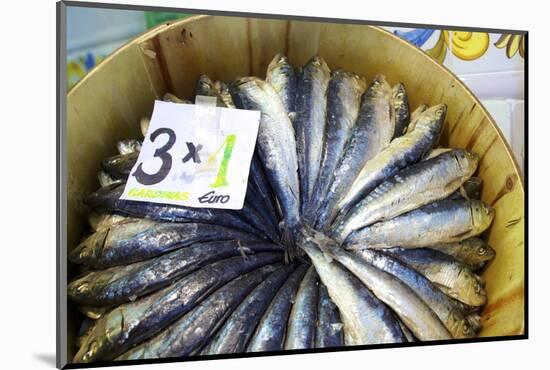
(278, 61)
(432, 118)
(379, 88)
(470, 286)
(90, 247)
(458, 325)
(482, 216)
(466, 161)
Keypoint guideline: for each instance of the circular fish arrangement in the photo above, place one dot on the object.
(357, 229)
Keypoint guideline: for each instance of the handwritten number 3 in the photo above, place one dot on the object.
(162, 153)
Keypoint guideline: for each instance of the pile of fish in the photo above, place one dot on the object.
(357, 229)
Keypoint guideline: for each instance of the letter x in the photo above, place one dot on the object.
(193, 153)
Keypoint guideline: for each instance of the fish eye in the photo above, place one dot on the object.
(82, 288)
(481, 251)
(465, 329)
(477, 288)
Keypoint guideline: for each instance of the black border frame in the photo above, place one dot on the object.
(61, 268)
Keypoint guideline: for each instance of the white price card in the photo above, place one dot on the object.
(195, 155)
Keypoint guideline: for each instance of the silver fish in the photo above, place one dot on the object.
(121, 284)
(270, 332)
(473, 252)
(412, 187)
(142, 239)
(450, 314)
(189, 333)
(329, 324)
(366, 319)
(238, 329)
(301, 322)
(453, 278)
(128, 146)
(372, 132)
(276, 143)
(311, 106)
(408, 306)
(400, 153)
(134, 322)
(343, 99)
(444, 221)
(282, 76)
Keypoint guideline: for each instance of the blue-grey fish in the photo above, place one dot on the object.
(406, 304)
(301, 322)
(444, 221)
(473, 252)
(311, 102)
(411, 188)
(328, 332)
(270, 332)
(282, 76)
(141, 239)
(444, 307)
(121, 284)
(234, 335)
(400, 153)
(107, 199)
(188, 334)
(276, 146)
(132, 323)
(373, 131)
(452, 277)
(366, 319)
(343, 99)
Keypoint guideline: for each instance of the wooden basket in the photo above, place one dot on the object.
(108, 103)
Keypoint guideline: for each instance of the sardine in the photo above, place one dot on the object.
(107, 199)
(121, 284)
(171, 98)
(453, 278)
(301, 322)
(282, 76)
(473, 252)
(414, 117)
(142, 239)
(189, 333)
(132, 323)
(343, 99)
(234, 335)
(311, 103)
(223, 91)
(366, 319)
(406, 304)
(372, 132)
(444, 307)
(128, 146)
(120, 166)
(400, 113)
(411, 188)
(444, 221)
(276, 143)
(105, 179)
(205, 87)
(400, 153)
(260, 182)
(328, 332)
(270, 332)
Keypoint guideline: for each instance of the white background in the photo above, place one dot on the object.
(28, 184)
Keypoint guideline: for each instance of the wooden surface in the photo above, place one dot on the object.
(108, 103)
